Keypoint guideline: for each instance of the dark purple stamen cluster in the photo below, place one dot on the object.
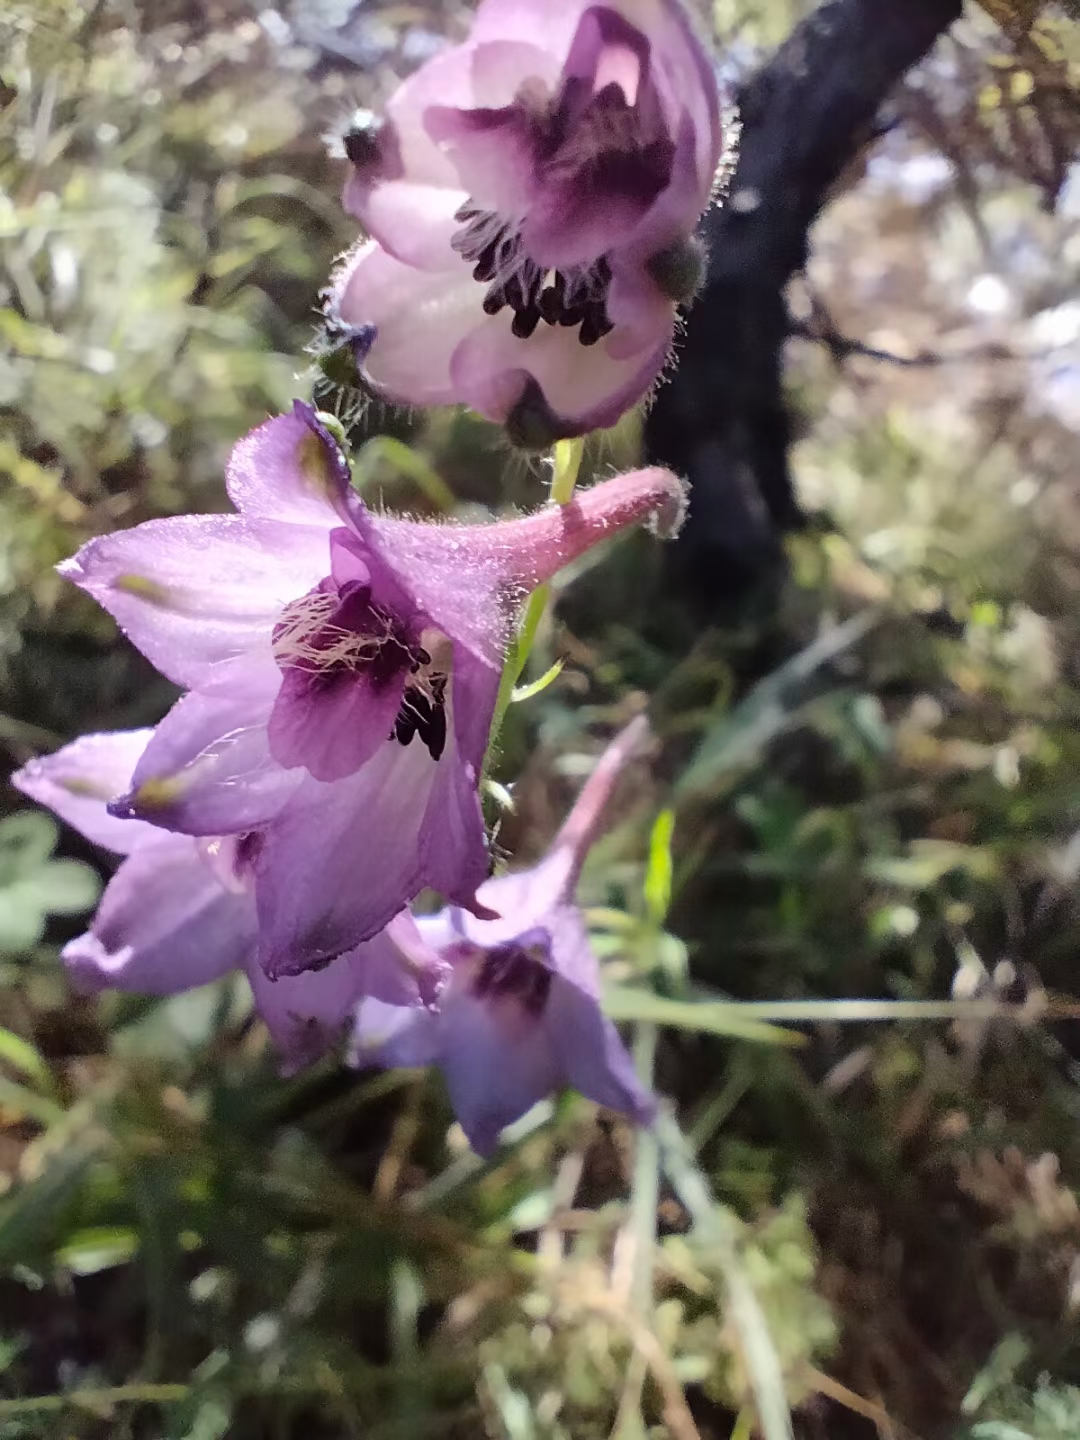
(358, 635)
(423, 712)
(499, 261)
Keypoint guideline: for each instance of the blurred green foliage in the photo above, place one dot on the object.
(33, 885)
(845, 949)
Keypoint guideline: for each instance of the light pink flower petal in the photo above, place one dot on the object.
(208, 769)
(165, 924)
(492, 151)
(420, 316)
(520, 901)
(414, 223)
(550, 27)
(342, 859)
(408, 155)
(453, 838)
(686, 79)
(409, 205)
(289, 469)
(680, 64)
(332, 725)
(498, 1062)
(393, 1037)
(405, 147)
(590, 1057)
(542, 895)
(585, 387)
(644, 319)
(409, 971)
(307, 1014)
(78, 782)
(502, 71)
(194, 591)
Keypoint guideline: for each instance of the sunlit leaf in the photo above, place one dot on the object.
(708, 1017)
(658, 873)
(102, 1248)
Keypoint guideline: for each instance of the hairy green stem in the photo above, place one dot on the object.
(567, 462)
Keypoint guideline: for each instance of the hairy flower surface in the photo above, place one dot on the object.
(342, 671)
(520, 1014)
(531, 199)
(179, 912)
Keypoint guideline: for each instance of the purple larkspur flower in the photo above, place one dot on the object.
(531, 199)
(520, 1014)
(342, 670)
(179, 912)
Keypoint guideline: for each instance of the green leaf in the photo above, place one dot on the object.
(33, 885)
(27, 839)
(998, 1430)
(384, 450)
(21, 926)
(526, 692)
(26, 1104)
(31, 1215)
(97, 1248)
(24, 1057)
(60, 887)
(929, 861)
(512, 1407)
(657, 887)
(56, 887)
(739, 738)
(624, 1002)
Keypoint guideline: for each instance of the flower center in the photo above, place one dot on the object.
(515, 971)
(332, 635)
(572, 297)
(232, 858)
(328, 632)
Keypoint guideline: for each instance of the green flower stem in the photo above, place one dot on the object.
(567, 461)
(568, 455)
(97, 1400)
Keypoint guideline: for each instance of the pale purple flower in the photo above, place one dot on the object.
(531, 200)
(342, 670)
(179, 912)
(520, 1015)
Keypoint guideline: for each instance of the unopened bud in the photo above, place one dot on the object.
(679, 270)
(361, 140)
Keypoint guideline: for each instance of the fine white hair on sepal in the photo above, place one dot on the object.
(731, 130)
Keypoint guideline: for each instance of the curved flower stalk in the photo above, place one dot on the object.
(520, 1014)
(342, 671)
(179, 912)
(532, 198)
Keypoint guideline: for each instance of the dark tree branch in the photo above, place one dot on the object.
(721, 420)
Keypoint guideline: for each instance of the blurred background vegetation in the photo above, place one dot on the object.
(868, 791)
